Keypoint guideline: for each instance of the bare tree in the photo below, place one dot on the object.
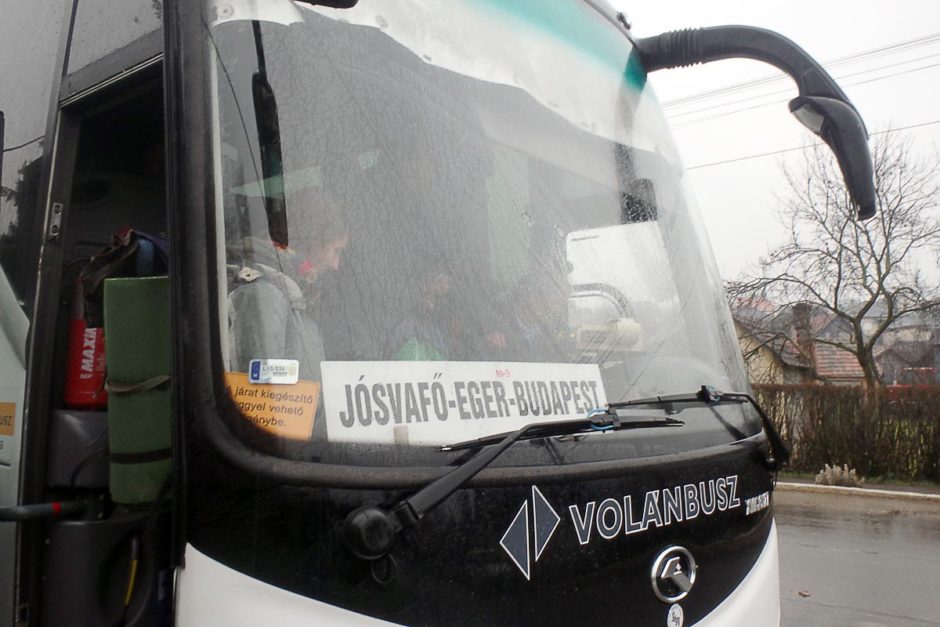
(830, 261)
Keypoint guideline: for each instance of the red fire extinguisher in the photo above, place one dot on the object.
(85, 376)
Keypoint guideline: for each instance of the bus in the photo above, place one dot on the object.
(370, 312)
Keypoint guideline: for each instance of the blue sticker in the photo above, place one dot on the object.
(254, 371)
(273, 371)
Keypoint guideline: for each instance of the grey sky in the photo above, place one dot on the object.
(893, 88)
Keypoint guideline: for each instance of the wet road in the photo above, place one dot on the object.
(847, 561)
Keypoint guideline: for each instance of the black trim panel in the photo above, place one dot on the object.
(452, 567)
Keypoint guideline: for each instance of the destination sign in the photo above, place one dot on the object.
(439, 402)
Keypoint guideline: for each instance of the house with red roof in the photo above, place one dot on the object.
(794, 346)
(800, 344)
(771, 357)
(836, 365)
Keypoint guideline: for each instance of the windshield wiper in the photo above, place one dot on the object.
(708, 396)
(603, 420)
(370, 531)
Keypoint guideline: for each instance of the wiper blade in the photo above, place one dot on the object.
(370, 531)
(708, 396)
(609, 422)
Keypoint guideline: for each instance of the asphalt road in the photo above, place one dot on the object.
(858, 561)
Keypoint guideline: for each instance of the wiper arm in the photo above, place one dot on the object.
(370, 531)
(708, 396)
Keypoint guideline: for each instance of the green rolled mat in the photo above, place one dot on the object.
(137, 343)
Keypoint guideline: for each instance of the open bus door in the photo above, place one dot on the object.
(78, 199)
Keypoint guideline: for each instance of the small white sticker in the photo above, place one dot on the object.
(675, 617)
(273, 371)
(756, 503)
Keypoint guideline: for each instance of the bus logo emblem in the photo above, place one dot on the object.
(673, 574)
(516, 540)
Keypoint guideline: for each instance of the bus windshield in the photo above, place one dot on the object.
(444, 220)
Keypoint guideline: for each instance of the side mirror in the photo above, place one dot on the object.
(839, 125)
(821, 105)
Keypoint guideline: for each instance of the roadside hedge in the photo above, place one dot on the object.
(892, 432)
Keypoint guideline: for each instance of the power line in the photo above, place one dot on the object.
(784, 150)
(894, 48)
(790, 90)
(916, 69)
(775, 102)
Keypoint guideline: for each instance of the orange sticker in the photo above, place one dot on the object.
(7, 413)
(286, 411)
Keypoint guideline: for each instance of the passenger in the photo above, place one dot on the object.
(539, 302)
(422, 336)
(443, 326)
(273, 291)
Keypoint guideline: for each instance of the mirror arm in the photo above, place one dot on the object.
(703, 45)
(842, 127)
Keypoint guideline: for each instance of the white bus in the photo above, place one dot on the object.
(372, 313)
